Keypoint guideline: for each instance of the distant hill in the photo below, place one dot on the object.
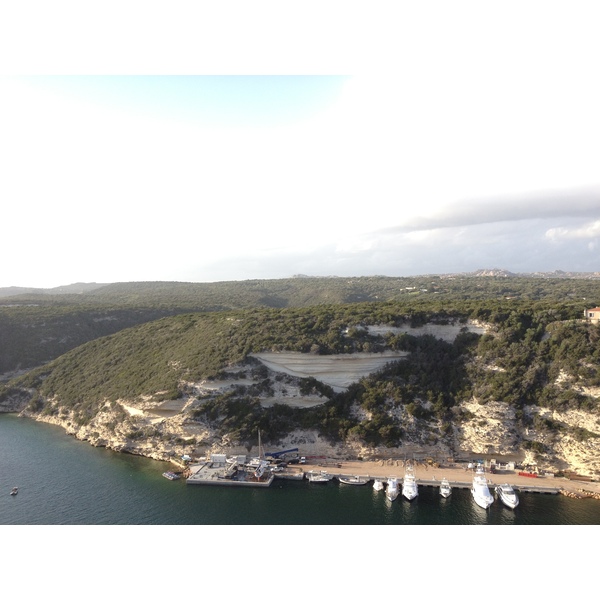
(74, 288)
(122, 289)
(541, 274)
(37, 326)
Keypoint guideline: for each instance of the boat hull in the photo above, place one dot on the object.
(482, 500)
(445, 489)
(352, 481)
(480, 490)
(508, 497)
(410, 490)
(318, 476)
(410, 494)
(392, 491)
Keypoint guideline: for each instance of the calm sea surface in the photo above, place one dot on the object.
(65, 481)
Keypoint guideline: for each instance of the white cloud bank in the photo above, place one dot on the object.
(465, 138)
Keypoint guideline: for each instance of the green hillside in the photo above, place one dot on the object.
(533, 342)
(85, 356)
(37, 327)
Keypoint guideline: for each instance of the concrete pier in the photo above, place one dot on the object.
(466, 485)
(224, 474)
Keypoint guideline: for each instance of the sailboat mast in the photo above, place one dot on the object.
(259, 446)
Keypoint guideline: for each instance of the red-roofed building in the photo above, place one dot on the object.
(592, 315)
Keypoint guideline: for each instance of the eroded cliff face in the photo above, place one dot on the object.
(166, 430)
(139, 432)
(494, 429)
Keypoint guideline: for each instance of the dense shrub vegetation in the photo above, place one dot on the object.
(118, 343)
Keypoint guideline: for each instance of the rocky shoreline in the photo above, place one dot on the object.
(336, 458)
(165, 430)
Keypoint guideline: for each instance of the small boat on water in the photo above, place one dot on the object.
(352, 480)
(445, 489)
(318, 476)
(171, 476)
(378, 485)
(392, 490)
(480, 490)
(14, 491)
(507, 495)
(410, 489)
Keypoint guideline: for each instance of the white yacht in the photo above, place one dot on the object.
(378, 485)
(392, 491)
(445, 489)
(480, 490)
(507, 495)
(410, 489)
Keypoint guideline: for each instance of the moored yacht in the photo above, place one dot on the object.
(410, 489)
(445, 489)
(480, 490)
(378, 485)
(392, 491)
(507, 495)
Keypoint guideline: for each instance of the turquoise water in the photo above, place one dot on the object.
(63, 481)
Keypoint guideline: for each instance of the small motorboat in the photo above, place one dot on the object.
(507, 495)
(318, 476)
(352, 480)
(392, 490)
(171, 476)
(445, 489)
(378, 485)
(14, 491)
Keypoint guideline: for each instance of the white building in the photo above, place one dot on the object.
(592, 315)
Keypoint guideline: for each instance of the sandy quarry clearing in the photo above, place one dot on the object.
(447, 333)
(336, 370)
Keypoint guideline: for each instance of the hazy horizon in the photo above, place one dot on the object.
(308, 276)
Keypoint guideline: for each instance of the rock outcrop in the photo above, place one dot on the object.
(166, 430)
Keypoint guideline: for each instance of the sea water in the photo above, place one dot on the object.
(64, 481)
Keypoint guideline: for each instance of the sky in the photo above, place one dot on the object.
(411, 140)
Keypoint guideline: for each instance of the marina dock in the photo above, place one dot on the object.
(213, 473)
(467, 485)
(221, 472)
(463, 484)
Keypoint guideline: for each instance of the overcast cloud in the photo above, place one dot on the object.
(417, 140)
